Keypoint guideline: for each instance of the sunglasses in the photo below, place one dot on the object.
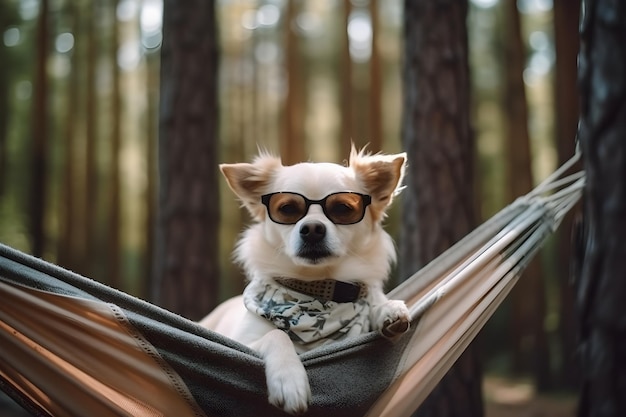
(340, 208)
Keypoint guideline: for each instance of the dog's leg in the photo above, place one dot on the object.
(391, 317)
(287, 381)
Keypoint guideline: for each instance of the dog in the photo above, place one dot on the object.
(316, 258)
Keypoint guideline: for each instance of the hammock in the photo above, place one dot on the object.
(70, 346)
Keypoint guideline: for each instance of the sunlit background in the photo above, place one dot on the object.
(253, 86)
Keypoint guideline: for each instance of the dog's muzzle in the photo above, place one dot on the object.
(313, 246)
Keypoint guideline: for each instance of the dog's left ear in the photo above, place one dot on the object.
(381, 175)
(250, 181)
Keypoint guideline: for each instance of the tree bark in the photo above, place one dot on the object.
(437, 203)
(601, 288)
(375, 137)
(292, 143)
(8, 17)
(67, 244)
(91, 197)
(187, 268)
(347, 135)
(40, 137)
(114, 212)
(152, 137)
(566, 44)
(530, 343)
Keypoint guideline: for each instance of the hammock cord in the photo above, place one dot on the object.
(542, 211)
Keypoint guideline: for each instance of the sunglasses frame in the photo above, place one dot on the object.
(366, 200)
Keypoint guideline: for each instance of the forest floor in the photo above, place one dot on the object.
(514, 398)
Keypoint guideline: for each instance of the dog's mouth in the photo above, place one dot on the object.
(314, 255)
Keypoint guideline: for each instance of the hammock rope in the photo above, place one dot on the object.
(453, 297)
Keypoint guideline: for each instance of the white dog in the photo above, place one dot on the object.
(316, 258)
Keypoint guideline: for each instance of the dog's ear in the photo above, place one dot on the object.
(250, 181)
(381, 175)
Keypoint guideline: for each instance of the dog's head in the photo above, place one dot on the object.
(317, 220)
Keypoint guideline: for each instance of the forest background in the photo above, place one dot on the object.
(78, 152)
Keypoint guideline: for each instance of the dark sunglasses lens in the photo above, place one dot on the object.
(345, 208)
(286, 208)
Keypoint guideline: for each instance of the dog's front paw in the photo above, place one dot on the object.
(287, 381)
(288, 386)
(392, 318)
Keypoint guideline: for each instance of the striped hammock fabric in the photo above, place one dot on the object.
(70, 346)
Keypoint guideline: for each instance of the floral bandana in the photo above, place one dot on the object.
(307, 320)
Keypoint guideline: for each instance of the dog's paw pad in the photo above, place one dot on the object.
(392, 329)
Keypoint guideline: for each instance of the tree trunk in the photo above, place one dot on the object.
(7, 18)
(152, 137)
(40, 136)
(375, 136)
(92, 186)
(566, 111)
(292, 143)
(438, 205)
(601, 288)
(187, 272)
(67, 245)
(346, 85)
(114, 212)
(530, 343)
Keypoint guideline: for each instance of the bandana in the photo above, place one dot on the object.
(308, 321)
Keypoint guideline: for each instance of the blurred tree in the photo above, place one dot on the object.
(566, 110)
(7, 19)
(347, 136)
(114, 211)
(186, 270)
(292, 142)
(437, 204)
(152, 137)
(68, 248)
(530, 344)
(39, 121)
(601, 287)
(375, 98)
(92, 193)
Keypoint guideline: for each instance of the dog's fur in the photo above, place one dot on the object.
(361, 252)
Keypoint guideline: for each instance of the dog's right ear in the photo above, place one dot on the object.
(250, 181)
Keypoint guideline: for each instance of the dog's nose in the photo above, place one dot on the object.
(312, 232)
